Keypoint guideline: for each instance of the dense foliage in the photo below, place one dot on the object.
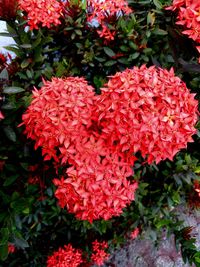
(96, 111)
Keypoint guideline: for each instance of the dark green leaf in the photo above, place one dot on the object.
(10, 133)
(10, 180)
(110, 63)
(12, 90)
(20, 242)
(4, 251)
(4, 236)
(109, 51)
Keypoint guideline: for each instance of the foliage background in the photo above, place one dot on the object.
(29, 215)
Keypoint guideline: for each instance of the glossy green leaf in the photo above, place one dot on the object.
(13, 90)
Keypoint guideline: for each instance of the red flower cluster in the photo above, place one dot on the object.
(189, 18)
(58, 114)
(99, 255)
(65, 257)
(41, 12)
(105, 12)
(8, 9)
(143, 109)
(148, 110)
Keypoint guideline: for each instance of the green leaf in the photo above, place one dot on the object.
(4, 252)
(20, 242)
(4, 236)
(10, 29)
(19, 205)
(134, 56)
(25, 63)
(100, 59)
(13, 90)
(109, 51)
(123, 60)
(26, 46)
(78, 32)
(10, 134)
(10, 180)
(162, 223)
(151, 18)
(159, 32)
(158, 4)
(4, 74)
(110, 63)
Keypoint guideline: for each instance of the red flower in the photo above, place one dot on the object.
(1, 116)
(59, 112)
(99, 255)
(45, 13)
(65, 257)
(8, 9)
(11, 248)
(135, 233)
(148, 110)
(188, 18)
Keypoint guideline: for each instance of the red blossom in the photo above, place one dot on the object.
(59, 112)
(11, 248)
(65, 257)
(188, 18)
(1, 116)
(135, 233)
(148, 110)
(8, 9)
(99, 254)
(45, 13)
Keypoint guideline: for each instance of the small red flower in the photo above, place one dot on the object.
(135, 233)
(99, 255)
(65, 257)
(11, 248)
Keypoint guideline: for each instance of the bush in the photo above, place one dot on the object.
(96, 116)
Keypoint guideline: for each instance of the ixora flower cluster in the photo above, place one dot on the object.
(189, 18)
(71, 257)
(50, 13)
(146, 110)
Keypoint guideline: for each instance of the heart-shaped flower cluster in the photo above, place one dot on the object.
(143, 109)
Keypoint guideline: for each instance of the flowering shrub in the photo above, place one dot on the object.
(100, 145)
(107, 93)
